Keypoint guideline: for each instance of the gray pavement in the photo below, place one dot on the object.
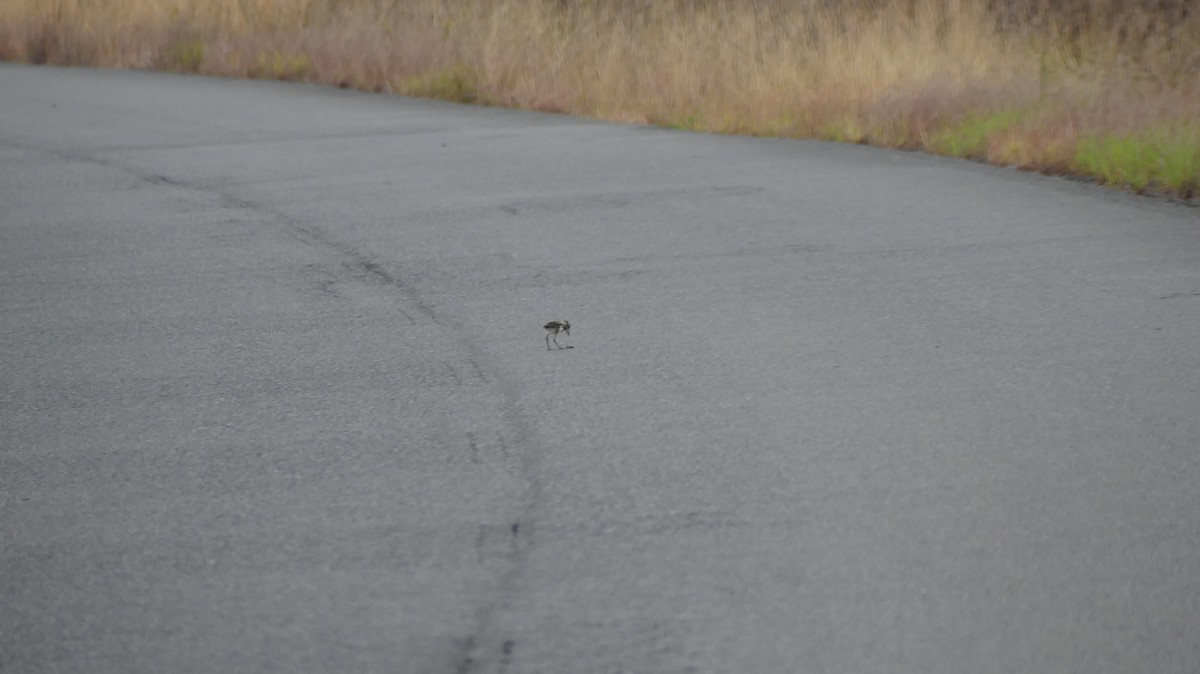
(276, 398)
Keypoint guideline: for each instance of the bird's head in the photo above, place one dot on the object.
(566, 327)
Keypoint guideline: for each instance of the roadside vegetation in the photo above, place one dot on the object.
(1103, 88)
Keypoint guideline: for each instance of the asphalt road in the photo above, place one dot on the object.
(276, 397)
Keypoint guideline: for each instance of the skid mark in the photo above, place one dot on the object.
(486, 446)
(467, 372)
(622, 199)
(502, 544)
(453, 373)
(497, 542)
(357, 262)
(294, 228)
(477, 370)
(466, 660)
(473, 446)
(632, 643)
(485, 645)
(655, 524)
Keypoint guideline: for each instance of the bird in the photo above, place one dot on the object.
(552, 330)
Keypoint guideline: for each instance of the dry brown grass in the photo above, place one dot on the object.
(1015, 82)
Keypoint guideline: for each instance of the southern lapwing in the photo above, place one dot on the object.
(552, 330)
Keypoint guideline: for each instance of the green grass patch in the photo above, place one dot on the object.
(688, 122)
(845, 130)
(784, 127)
(185, 55)
(1164, 158)
(969, 139)
(450, 84)
(277, 66)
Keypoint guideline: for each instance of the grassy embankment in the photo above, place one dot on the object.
(1103, 88)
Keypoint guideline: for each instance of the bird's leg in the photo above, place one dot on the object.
(556, 342)
(548, 341)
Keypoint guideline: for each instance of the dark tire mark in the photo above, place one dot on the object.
(466, 661)
(475, 367)
(453, 373)
(484, 638)
(474, 447)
